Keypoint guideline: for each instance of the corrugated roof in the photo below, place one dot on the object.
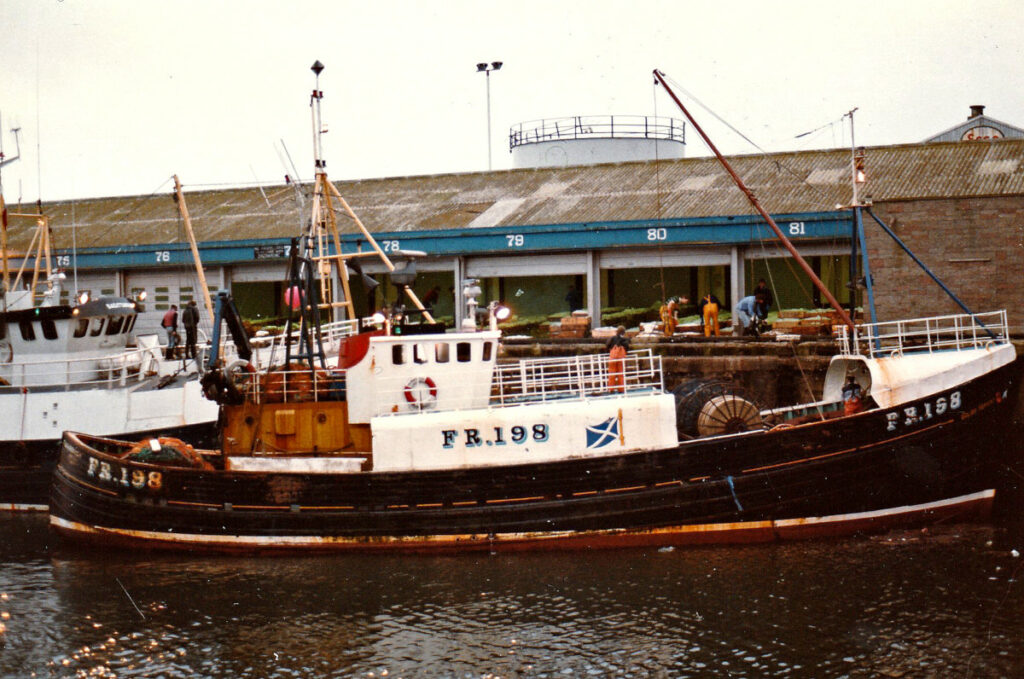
(807, 181)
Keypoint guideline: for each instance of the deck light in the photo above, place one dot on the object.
(84, 297)
(860, 175)
(497, 312)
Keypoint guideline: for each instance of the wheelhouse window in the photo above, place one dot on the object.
(397, 354)
(419, 353)
(49, 328)
(130, 324)
(441, 352)
(81, 327)
(463, 352)
(97, 327)
(114, 325)
(28, 333)
(487, 351)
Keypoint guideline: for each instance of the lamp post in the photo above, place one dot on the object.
(486, 69)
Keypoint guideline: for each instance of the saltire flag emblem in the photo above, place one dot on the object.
(600, 435)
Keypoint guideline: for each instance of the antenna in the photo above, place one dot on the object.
(4, 160)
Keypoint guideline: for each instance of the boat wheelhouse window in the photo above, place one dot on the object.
(441, 352)
(97, 326)
(114, 325)
(487, 351)
(419, 353)
(130, 324)
(81, 327)
(397, 354)
(28, 333)
(49, 328)
(463, 352)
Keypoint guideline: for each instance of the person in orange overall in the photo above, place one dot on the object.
(709, 306)
(852, 403)
(617, 347)
(669, 317)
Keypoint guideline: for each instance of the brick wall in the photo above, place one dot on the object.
(974, 245)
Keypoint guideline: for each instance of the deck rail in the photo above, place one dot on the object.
(270, 350)
(110, 371)
(925, 335)
(516, 383)
(546, 379)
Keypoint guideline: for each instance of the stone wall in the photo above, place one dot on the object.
(770, 373)
(975, 246)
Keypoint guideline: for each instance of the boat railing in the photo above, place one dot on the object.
(925, 335)
(292, 386)
(518, 383)
(113, 370)
(271, 350)
(546, 379)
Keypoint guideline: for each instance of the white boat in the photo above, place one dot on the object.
(69, 367)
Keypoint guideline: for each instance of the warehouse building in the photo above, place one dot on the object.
(599, 236)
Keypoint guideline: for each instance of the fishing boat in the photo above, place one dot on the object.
(79, 366)
(421, 440)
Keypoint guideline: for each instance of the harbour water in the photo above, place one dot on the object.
(945, 602)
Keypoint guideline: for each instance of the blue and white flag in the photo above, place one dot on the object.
(600, 435)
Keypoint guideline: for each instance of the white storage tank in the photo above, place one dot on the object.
(590, 140)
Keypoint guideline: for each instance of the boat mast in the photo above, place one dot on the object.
(757, 206)
(857, 177)
(323, 220)
(183, 209)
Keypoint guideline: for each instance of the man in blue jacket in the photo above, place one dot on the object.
(748, 312)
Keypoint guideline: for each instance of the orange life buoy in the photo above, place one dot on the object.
(421, 393)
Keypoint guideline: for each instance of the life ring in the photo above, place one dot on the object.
(6, 352)
(421, 393)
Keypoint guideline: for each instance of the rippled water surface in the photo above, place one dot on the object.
(947, 602)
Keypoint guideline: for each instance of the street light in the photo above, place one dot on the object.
(487, 68)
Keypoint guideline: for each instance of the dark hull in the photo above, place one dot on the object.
(856, 470)
(26, 467)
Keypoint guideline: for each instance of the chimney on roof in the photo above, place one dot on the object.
(976, 111)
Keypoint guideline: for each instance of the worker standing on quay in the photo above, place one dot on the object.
(617, 347)
(709, 306)
(748, 313)
(669, 313)
(764, 292)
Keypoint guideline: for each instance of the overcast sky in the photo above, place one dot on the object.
(113, 97)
